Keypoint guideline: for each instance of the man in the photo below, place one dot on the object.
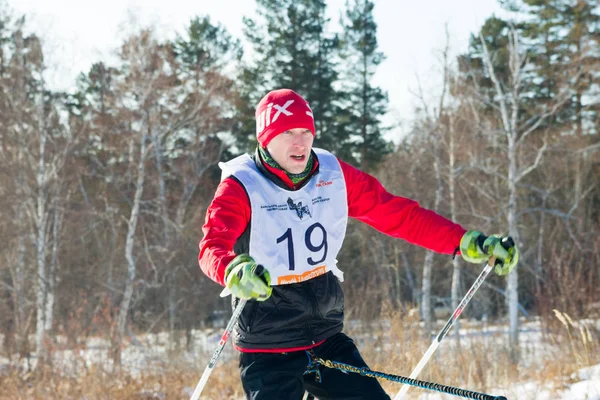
(272, 234)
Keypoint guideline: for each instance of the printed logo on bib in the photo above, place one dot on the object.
(302, 207)
(322, 183)
(287, 279)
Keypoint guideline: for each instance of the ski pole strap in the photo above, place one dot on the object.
(313, 366)
(364, 371)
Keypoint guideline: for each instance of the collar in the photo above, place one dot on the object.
(280, 177)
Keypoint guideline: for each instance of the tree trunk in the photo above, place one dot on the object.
(428, 263)
(455, 293)
(52, 267)
(512, 289)
(19, 276)
(129, 243)
(426, 291)
(166, 239)
(510, 122)
(540, 252)
(40, 220)
(19, 296)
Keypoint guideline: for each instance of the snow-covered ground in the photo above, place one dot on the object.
(147, 353)
(582, 385)
(586, 386)
(150, 353)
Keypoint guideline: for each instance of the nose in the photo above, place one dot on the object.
(299, 141)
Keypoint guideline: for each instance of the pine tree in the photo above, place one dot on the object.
(206, 46)
(565, 36)
(472, 71)
(292, 49)
(206, 55)
(364, 103)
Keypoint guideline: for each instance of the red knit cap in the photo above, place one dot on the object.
(279, 111)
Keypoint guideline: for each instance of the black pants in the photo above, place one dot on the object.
(280, 376)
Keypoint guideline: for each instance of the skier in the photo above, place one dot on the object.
(272, 234)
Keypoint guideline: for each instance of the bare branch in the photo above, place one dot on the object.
(536, 121)
(499, 92)
(590, 148)
(581, 197)
(535, 164)
(551, 211)
(446, 71)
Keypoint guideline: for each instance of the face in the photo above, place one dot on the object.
(291, 149)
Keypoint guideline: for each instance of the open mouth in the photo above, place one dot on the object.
(298, 157)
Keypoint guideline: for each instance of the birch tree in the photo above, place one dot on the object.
(15, 109)
(507, 100)
(144, 71)
(36, 148)
(434, 131)
(175, 114)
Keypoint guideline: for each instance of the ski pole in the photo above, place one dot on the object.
(446, 328)
(219, 349)
(365, 371)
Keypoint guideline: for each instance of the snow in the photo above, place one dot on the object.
(582, 385)
(150, 353)
(588, 389)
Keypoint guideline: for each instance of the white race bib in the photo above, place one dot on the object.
(297, 234)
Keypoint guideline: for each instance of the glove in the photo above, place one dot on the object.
(475, 247)
(248, 280)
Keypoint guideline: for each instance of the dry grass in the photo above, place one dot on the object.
(482, 365)
(96, 384)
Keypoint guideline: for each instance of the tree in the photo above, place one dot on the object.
(507, 97)
(563, 37)
(364, 104)
(35, 147)
(204, 59)
(206, 47)
(293, 50)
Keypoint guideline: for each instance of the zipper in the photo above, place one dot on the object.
(251, 316)
(313, 303)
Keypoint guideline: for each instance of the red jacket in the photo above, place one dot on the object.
(368, 201)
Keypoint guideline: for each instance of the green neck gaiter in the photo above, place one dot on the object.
(295, 178)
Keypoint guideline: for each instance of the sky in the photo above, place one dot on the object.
(411, 33)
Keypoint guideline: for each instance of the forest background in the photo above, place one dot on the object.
(104, 188)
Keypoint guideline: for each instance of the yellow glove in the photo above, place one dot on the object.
(477, 248)
(248, 280)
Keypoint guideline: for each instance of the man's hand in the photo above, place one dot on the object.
(248, 280)
(475, 247)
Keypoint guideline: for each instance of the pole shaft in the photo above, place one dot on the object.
(364, 371)
(211, 365)
(436, 342)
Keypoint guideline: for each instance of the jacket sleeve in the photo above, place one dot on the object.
(226, 219)
(403, 218)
